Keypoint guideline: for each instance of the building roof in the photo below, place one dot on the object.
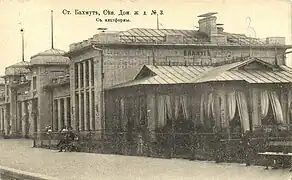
(264, 73)
(51, 52)
(50, 57)
(151, 74)
(250, 70)
(21, 64)
(19, 68)
(143, 35)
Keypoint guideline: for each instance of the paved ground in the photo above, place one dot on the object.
(18, 154)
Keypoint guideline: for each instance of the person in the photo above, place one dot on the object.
(71, 138)
(8, 129)
(64, 139)
(49, 130)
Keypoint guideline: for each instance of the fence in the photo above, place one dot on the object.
(200, 146)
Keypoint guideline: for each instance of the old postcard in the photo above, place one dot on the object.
(136, 89)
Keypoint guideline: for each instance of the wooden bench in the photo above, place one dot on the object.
(276, 159)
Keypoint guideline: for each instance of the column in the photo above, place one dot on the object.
(289, 98)
(60, 125)
(79, 96)
(13, 111)
(2, 124)
(30, 125)
(6, 113)
(91, 123)
(85, 97)
(223, 108)
(217, 112)
(151, 112)
(73, 100)
(66, 111)
(284, 103)
(23, 118)
(254, 98)
(55, 115)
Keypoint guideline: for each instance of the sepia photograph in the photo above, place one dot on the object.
(146, 90)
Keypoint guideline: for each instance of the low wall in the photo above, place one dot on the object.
(9, 174)
(188, 146)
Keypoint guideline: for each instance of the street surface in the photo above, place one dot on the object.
(18, 154)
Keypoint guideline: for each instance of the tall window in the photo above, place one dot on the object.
(81, 75)
(68, 112)
(77, 111)
(92, 72)
(93, 111)
(62, 113)
(87, 73)
(82, 111)
(76, 75)
(34, 83)
(87, 110)
(55, 125)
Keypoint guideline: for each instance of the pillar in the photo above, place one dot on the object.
(30, 125)
(55, 115)
(23, 118)
(73, 76)
(65, 111)
(284, 103)
(255, 116)
(1, 124)
(91, 100)
(217, 112)
(151, 115)
(223, 109)
(85, 97)
(13, 111)
(60, 125)
(289, 102)
(79, 96)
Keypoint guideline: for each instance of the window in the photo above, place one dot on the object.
(34, 83)
(77, 111)
(93, 110)
(76, 75)
(81, 75)
(92, 72)
(87, 73)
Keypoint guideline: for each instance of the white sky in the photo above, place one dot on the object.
(268, 18)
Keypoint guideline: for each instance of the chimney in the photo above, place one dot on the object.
(208, 23)
(220, 29)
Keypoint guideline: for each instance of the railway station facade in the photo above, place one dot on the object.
(74, 88)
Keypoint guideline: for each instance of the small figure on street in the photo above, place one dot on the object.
(8, 129)
(64, 139)
(49, 130)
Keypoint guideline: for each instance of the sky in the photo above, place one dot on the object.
(268, 18)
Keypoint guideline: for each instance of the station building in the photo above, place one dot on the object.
(60, 88)
(110, 58)
(36, 94)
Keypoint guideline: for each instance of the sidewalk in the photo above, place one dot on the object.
(19, 154)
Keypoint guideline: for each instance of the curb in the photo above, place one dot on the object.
(18, 174)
